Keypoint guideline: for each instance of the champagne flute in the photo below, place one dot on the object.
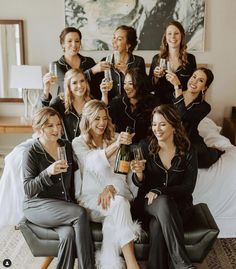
(116, 54)
(163, 64)
(161, 68)
(61, 153)
(138, 153)
(107, 73)
(53, 71)
(108, 79)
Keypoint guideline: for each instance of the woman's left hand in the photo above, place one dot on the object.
(105, 197)
(151, 196)
(172, 78)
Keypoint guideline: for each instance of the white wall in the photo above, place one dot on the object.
(44, 20)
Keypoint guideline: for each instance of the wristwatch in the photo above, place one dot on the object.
(178, 87)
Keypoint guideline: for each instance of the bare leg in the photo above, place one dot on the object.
(46, 262)
(128, 252)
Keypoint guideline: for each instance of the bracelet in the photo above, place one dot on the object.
(107, 188)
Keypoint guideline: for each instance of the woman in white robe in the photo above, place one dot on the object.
(105, 194)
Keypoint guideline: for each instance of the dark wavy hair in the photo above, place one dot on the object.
(164, 50)
(68, 30)
(140, 82)
(209, 75)
(131, 36)
(181, 141)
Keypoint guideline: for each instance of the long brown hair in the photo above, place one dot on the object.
(164, 50)
(181, 141)
(89, 114)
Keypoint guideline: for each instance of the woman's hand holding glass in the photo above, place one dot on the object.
(100, 67)
(138, 164)
(161, 69)
(49, 79)
(57, 167)
(106, 85)
(172, 78)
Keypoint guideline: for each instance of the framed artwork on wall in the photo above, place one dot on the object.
(97, 21)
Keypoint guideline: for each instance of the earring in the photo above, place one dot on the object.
(203, 95)
(127, 49)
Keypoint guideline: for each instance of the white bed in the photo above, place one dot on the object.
(216, 186)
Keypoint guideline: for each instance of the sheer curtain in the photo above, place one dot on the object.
(8, 57)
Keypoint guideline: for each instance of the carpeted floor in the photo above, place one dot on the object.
(13, 247)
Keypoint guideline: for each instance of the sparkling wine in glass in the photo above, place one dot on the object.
(163, 64)
(108, 79)
(137, 153)
(107, 73)
(61, 153)
(53, 71)
(116, 54)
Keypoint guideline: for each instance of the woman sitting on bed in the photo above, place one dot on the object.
(193, 108)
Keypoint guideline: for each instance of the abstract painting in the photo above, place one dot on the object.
(97, 20)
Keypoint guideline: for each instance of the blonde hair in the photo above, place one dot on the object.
(67, 96)
(89, 114)
(41, 117)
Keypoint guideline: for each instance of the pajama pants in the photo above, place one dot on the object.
(71, 222)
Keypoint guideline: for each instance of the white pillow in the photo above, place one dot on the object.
(211, 134)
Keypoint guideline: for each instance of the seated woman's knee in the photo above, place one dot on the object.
(120, 200)
(162, 203)
(66, 233)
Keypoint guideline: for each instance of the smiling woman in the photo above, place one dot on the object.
(70, 103)
(11, 53)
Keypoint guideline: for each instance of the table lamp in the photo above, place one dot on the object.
(29, 79)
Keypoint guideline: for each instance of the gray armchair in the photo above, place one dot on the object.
(200, 234)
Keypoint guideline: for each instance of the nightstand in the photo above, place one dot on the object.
(14, 125)
(229, 129)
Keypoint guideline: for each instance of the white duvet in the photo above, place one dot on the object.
(216, 186)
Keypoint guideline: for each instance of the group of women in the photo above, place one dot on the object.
(164, 110)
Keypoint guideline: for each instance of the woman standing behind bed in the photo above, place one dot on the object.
(70, 40)
(105, 194)
(193, 108)
(173, 49)
(134, 107)
(124, 42)
(166, 183)
(49, 192)
(70, 104)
